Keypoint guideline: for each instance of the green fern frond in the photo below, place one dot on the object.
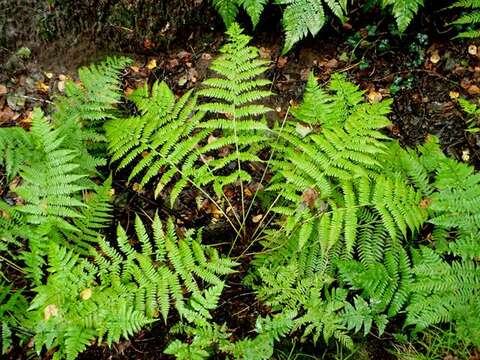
(227, 9)
(403, 11)
(303, 17)
(441, 292)
(16, 150)
(51, 187)
(171, 138)
(95, 216)
(469, 19)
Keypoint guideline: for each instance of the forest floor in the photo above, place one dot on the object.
(424, 72)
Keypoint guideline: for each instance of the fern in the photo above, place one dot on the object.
(50, 185)
(126, 289)
(338, 170)
(445, 293)
(300, 17)
(69, 311)
(12, 309)
(470, 18)
(303, 17)
(232, 107)
(403, 11)
(95, 216)
(169, 138)
(156, 282)
(84, 107)
(16, 150)
(157, 140)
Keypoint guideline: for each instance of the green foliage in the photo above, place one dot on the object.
(300, 17)
(356, 230)
(469, 19)
(16, 150)
(51, 183)
(70, 310)
(12, 306)
(303, 17)
(84, 107)
(166, 269)
(125, 289)
(403, 11)
(171, 137)
(473, 113)
(338, 171)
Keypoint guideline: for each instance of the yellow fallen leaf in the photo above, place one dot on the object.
(49, 311)
(374, 97)
(41, 86)
(86, 294)
(256, 219)
(152, 64)
(128, 91)
(454, 95)
(435, 58)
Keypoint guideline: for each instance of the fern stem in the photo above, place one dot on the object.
(261, 179)
(12, 264)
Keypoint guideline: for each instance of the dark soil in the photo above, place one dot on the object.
(384, 65)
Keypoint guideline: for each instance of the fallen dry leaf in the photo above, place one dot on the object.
(41, 86)
(374, 97)
(474, 90)
(309, 197)
(3, 89)
(454, 95)
(331, 64)
(425, 203)
(49, 311)
(86, 294)
(152, 64)
(61, 86)
(128, 91)
(265, 53)
(435, 57)
(282, 61)
(148, 44)
(256, 219)
(6, 114)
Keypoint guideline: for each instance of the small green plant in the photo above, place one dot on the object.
(473, 115)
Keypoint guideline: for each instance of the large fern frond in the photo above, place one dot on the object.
(303, 17)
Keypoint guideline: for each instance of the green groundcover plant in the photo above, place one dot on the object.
(308, 17)
(357, 232)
